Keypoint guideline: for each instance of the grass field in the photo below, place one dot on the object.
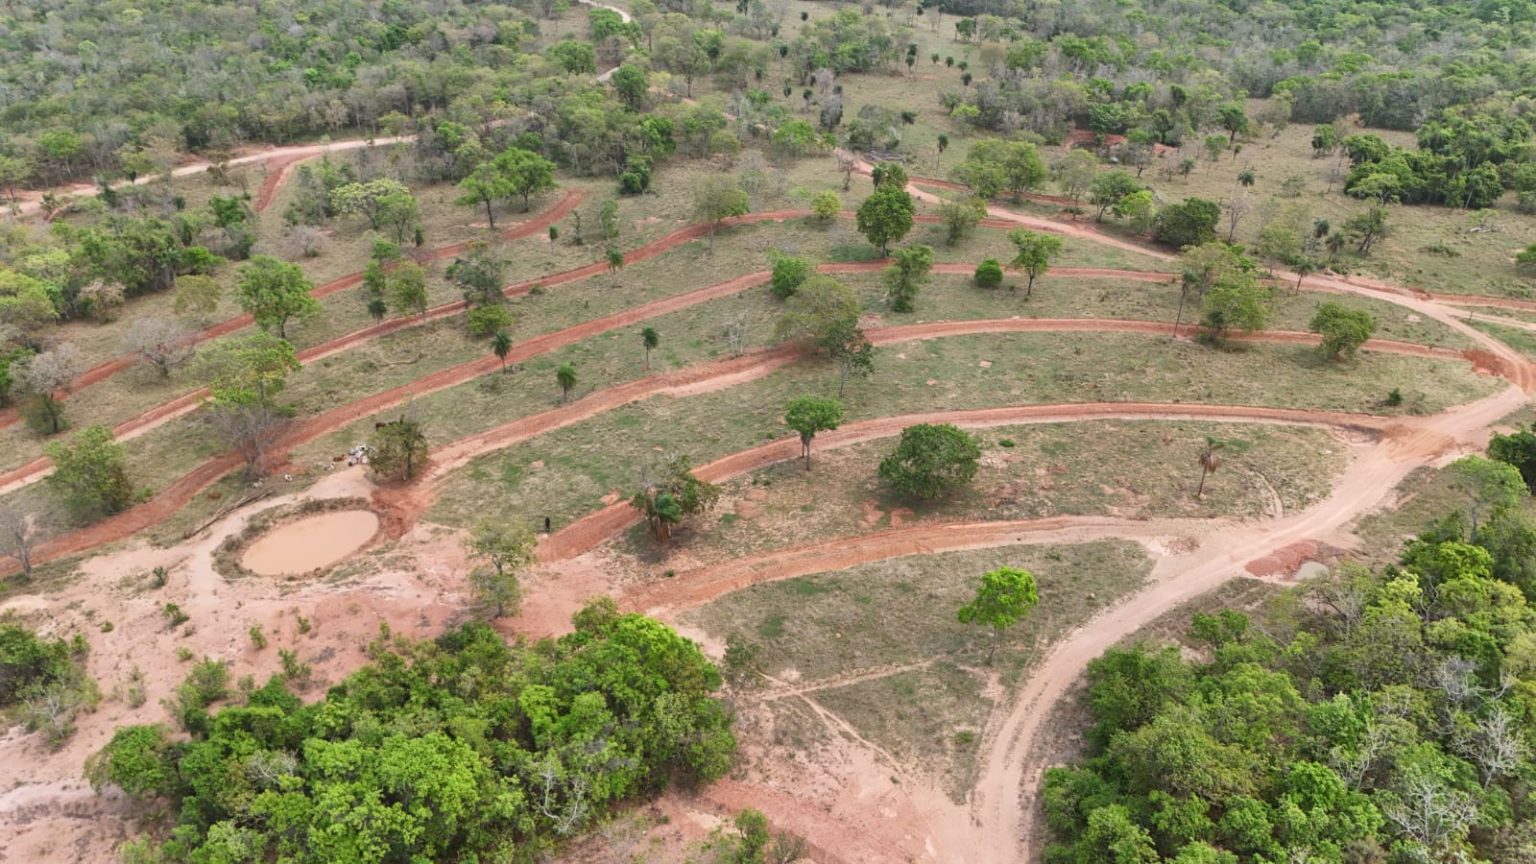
(592, 458)
(897, 617)
(1133, 470)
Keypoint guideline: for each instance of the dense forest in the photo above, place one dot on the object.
(461, 749)
(1367, 717)
(116, 89)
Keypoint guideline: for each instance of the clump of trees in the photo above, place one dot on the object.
(548, 741)
(1365, 716)
(43, 684)
(669, 492)
(397, 449)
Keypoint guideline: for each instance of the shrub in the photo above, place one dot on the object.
(989, 274)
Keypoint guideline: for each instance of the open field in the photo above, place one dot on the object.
(866, 641)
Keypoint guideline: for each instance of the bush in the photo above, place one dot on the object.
(789, 273)
(90, 474)
(989, 274)
(930, 461)
(485, 320)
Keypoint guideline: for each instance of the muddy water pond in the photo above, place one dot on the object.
(310, 543)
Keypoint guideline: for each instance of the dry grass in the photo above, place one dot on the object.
(894, 621)
(1128, 469)
(585, 461)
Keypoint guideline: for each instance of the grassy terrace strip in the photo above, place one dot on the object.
(1133, 470)
(1391, 367)
(147, 416)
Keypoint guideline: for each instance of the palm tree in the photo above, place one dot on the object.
(650, 339)
(1303, 270)
(565, 376)
(1210, 460)
(501, 345)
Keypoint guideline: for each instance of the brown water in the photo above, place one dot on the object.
(309, 543)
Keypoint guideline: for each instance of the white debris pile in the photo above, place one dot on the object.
(358, 455)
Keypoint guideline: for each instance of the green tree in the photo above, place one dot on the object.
(889, 174)
(90, 474)
(408, 288)
(501, 346)
(274, 292)
(886, 216)
(1236, 301)
(1518, 448)
(826, 206)
(994, 165)
(632, 85)
(1075, 174)
(1188, 223)
(1004, 596)
(820, 305)
(849, 347)
(197, 297)
(1366, 228)
(809, 415)
(1035, 252)
(1234, 119)
(907, 275)
(526, 173)
(669, 493)
(565, 376)
(650, 339)
(1137, 208)
(719, 198)
(1343, 329)
(248, 368)
(370, 200)
(961, 216)
(1109, 190)
(397, 449)
(483, 187)
(930, 461)
(504, 550)
(479, 275)
(989, 274)
(1489, 487)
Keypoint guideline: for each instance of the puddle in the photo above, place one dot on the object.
(306, 544)
(1311, 570)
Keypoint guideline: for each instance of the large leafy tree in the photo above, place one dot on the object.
(1343, 329)
(885, 216)
(993, 165)
(90, 473)
(275, 292)
(931, 461)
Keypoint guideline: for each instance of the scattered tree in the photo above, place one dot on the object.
(1004, 596)
(1035, 252)
(1210, 460)
(164, 343)
(650, 339)
(907, 275)
(43, 378)
(669, 493)
(501, 346)
(886, 216)
(565, 376)
(274, 292)
(1343, 329)
(504, 549)
(397, 449)
(719, 198)
(809, 415)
